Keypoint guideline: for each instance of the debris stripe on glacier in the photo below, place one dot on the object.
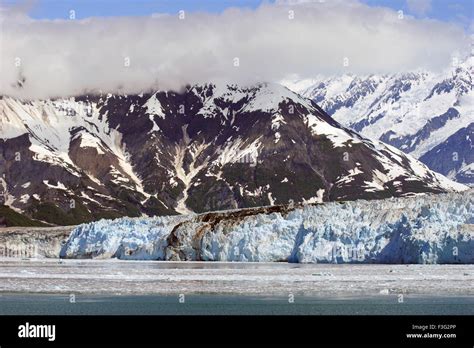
(421, 229)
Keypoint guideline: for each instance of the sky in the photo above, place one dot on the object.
(131, 46)
(460, 11)
(52, 9)
(456, 11)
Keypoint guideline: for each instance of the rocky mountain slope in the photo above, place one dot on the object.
(425, 114)
(207, 147)
(422, 229)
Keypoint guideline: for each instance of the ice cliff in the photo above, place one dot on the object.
(33, 242)
(420, 229)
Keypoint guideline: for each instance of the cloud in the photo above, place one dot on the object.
(133, 54)
(419, 7)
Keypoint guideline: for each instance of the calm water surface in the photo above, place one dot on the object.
(47, 304)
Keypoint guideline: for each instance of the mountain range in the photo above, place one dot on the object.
(208, 147)
(425, 114)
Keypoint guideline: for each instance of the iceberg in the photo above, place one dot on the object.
(425, 229)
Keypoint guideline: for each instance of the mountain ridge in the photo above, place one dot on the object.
(413, 111)
(209, 147)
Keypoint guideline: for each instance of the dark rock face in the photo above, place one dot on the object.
(454, 156)
(205, 148)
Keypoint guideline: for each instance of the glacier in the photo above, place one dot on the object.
(424, 229)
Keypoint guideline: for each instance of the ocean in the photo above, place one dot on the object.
(113, 287)
(206, 304)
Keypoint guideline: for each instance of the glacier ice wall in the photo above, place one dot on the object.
(420, 229)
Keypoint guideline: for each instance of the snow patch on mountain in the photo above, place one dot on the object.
(88, 140)
(338, 136)
(153, 107)
(187, 176)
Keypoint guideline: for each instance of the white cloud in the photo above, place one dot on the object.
(419, 7)
(62, 57)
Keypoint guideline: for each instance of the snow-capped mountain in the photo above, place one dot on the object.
(422, 229)
(208, 147)
(427, 115)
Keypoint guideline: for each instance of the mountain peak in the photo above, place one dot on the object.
(209, 147)
(422, 113)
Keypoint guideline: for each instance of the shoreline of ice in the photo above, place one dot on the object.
(112, 277)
